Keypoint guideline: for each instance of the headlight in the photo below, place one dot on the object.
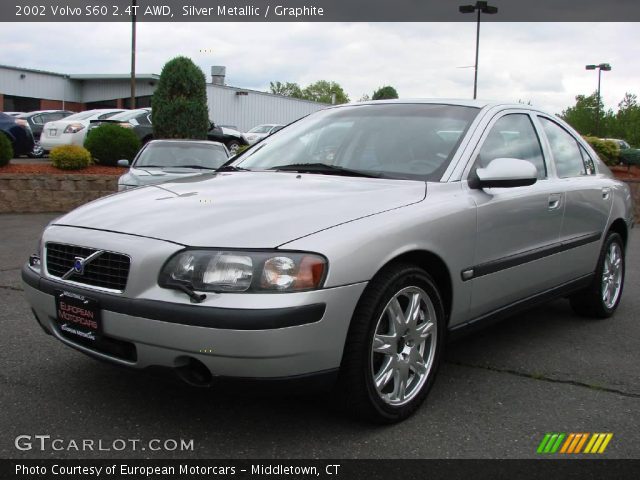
(240, 271)
(73, 128)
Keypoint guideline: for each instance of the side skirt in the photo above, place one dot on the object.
(502, 313)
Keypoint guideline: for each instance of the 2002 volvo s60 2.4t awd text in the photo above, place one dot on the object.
(343, 247)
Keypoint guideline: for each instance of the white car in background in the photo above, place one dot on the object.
(256, 134)
(72, 130)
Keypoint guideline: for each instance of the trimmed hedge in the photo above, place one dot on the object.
(180, 101)
(608, 151)
(6, 150)
(109, 143)
(70, 157)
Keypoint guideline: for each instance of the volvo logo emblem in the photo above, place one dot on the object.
(80, 264)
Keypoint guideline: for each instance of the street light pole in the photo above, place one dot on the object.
(133, 54)
(480, 7)
(607, 68)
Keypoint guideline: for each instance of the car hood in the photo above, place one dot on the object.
(244, 209)
(231, 132)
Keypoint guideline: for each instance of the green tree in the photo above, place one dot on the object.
(385, 93)
(180, 101)
(583, 116)
(287, 89)
(627, 120)
(322, 91)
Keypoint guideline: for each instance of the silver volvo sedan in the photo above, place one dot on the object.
(342, 250)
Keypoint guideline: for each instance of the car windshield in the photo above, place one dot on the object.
(410, 141)
(182, 154)
(261, 129)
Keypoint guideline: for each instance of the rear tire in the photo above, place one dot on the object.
(37, 151)
(394, 345)
(602, 297)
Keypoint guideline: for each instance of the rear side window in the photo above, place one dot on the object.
(589, 164)
(565, 150)
(513, 136)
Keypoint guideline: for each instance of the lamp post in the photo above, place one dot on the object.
(480, 7)
(133, 55)
(607, 68)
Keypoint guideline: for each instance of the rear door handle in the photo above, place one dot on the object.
(606, 193)
(555, 201)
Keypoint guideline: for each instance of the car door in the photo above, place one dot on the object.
(589, 198)
(518, 227)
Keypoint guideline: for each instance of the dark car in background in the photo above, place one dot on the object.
(233, 139)
(140, 121)
(36, 120)
(18, 132)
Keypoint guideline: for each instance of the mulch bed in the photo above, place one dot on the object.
(39, 169)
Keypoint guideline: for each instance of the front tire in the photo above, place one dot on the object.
(602, 297)
(394, 345)
(233, 146)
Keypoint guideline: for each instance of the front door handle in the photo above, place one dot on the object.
(555, 201)
(606, 193)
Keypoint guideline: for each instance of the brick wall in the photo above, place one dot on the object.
(57, 105)
(28, 193)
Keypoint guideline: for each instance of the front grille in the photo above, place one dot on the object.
(109, 270)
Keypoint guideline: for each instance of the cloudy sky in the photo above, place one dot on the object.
(538, 62)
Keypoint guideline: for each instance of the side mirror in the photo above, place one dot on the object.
(505, 173)
(212, 125)
(123, 163)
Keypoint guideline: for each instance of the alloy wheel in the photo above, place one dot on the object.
(404, 345)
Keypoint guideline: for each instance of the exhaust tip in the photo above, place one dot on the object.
(193, 372)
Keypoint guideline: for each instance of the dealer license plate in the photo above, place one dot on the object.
(78, 316)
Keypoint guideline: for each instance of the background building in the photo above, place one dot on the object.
(24, 90)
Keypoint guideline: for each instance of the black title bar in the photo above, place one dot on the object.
(316, 11)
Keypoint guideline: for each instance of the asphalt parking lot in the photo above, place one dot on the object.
(498, 392)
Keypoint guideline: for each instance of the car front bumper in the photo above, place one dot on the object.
(295, 335)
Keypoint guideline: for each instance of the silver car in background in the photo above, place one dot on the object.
(342, 250)
(161, 161)
(261, 132)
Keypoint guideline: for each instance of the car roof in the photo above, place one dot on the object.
(186, 140)
(38, 112)
(444, 101)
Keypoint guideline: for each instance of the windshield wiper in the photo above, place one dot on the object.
(231, 168)
(199, 167)
(324, 168)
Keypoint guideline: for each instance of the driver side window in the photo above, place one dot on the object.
(512, 136)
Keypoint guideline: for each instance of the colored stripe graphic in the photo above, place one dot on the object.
(598, 443)
(573, 443)
(551, 442)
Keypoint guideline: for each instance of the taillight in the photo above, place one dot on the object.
(74, 128)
